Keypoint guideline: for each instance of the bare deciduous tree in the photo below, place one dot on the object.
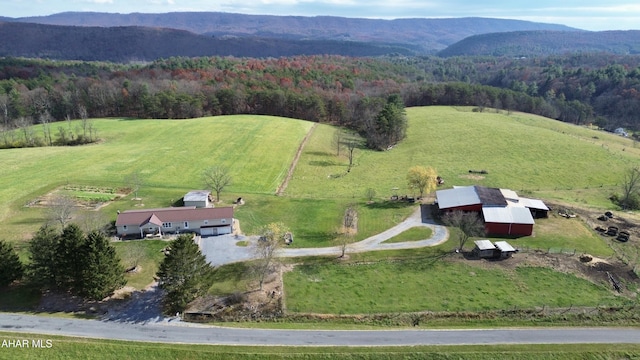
(61, 209)
(272, 239)
(630, 188)
(351, 142)
(84, 118)
(24, 124)
(370, 193)
(338, 137)
(90, 221)
(349, 227)
(46, 119)
(216, 178)
(134, 181)
(468, 224)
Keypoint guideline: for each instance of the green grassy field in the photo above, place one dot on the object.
(412, 286)
(519, 151)
(84, 348)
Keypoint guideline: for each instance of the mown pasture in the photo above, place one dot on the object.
(413, 286)
(522, 152)
(532, 155)
(169, 154)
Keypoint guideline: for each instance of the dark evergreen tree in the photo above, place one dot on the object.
(389, 126)
(184, 274)
(43, 265)
(70, 259)
(10, 266)
(102, 271)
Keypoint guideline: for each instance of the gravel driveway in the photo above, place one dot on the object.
(220, 250)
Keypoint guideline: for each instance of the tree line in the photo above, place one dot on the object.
(345, 91)
(70, 260)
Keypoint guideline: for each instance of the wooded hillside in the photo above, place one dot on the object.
(581, 89)
(132, 43)
(540, 43)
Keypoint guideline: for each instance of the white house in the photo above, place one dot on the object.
(203, 221)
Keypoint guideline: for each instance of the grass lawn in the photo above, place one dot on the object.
(413, 234)
(146, 254)
(410, 286)
(85, 348)
(314, 222)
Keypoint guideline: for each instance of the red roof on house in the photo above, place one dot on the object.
(176, 214)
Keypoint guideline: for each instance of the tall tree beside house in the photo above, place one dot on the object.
(11, 268)
(217, 178)
(184, 274)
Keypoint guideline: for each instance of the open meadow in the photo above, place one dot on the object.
(534, 156)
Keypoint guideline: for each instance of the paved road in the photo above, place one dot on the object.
(220, 250)
(199, 334)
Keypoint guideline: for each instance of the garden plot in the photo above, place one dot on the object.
(85, 197)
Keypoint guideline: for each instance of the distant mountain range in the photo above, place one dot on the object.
(532, 43)
(132, 43)
(143, 37)
(428, 35)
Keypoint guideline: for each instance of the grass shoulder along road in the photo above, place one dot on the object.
(86, 348)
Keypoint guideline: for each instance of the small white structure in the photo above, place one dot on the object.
(198, 198)
(484, 249)
(506, 250)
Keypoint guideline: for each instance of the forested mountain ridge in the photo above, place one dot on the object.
(134, 43)
(426, 35)
(538, 43)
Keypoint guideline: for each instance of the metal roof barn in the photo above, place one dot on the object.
(505, 215)
(457, 197)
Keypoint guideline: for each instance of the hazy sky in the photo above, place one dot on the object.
(582, 14)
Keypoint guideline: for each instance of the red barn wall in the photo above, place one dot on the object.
(508, 229)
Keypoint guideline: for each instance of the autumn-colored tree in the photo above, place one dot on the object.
(422, 178)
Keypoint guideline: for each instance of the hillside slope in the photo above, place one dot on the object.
(535, 43)
(428, 35)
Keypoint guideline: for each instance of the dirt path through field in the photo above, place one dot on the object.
(285, 182)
